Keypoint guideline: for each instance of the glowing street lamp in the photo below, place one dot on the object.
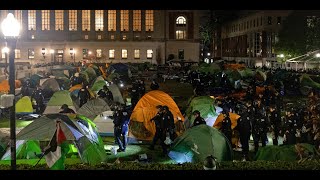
(11, 28)
(318, 55)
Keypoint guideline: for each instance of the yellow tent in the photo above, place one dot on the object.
(24, 106)
(140, 125)
(234, 118)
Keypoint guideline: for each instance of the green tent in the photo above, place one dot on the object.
(208, 68)
(78, 131)
(51, 84)
(91, 73)
(25, 149)
(204, 104)
(98, 85)
(305, 80)
(112, 75)
(198, 142)
(57, 100)
(93, 107)
(246, 73)
(85, 76)
(283, 152)
(64, 82)
(99, 78)
(117, 96)
(24, 106)
(233, 75)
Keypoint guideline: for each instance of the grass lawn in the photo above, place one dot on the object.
(5, 123)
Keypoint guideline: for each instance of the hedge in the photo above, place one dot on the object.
(249, 165)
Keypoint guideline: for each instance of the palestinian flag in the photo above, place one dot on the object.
(58, 148)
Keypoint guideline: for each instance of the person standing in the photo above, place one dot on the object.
(244, 127)
(160, 130)
(38, 96)
(169, 120)
(83, 95)
(226, 126)
(121, 121)
(154, 85)
(198, 119)
(275, 121)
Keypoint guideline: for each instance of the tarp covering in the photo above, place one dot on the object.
(234, 118)
(57, 100)
(140, 125)
(284, 152)
(51, 84)
(24, 106)
(25, 149)
(204, 104)
(198, 142)
(93, 107)
(5, 88)
(117, 96)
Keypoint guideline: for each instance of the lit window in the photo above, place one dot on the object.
(124, 54)
(85, 20)
(18, 16)
(111, 54)
(112, 20)
(99, 37)
(45, 14)
(32, 20)
(124, 20)
(180, 34)
(85, 53)
(59, 20)
(112, 37)
(149, 53)
(124, 37)
(137, 53)
(30, 53)
(181, 20)
(99, 20)
(3, 55)
(149, 20)
(136, 20)
(73, 20)
(99, 53)
(86, 36)
(17, 54)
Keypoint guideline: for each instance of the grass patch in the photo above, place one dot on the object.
(5, 123)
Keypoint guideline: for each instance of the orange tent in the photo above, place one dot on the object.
(140, 125)
(234, 118)
(5, 88)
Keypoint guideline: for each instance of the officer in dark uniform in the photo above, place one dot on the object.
(226, 125)
(198, 119)
(117, 118)
(275, 122)
(169, 120)
(141, 88)
(66, 109)
(38, 96)
(76, 79)
(134, 95)
(83, 95)
(103, 92)
(154, 85)
(25, 90)
(259, 126)
(244, 127)
(160, 130)
(290, 126)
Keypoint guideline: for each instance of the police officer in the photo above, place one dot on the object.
(160, 130)
(76, 79)
(117, 121)
(38, 96)
(66, 109)
(244, 127)
(103, 92)
(25, 90)
(275, 122)
(83, 95)
(226, 125)
(259, 126)
(154, 85)
(141, 88)
(169, 120)
(134, 95)
(198, 119)
(290, 128)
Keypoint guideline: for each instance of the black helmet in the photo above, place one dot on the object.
(64, 106)
(210, 163)
(196, 112)
(165, 108)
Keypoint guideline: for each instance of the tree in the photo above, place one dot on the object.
(300, 33)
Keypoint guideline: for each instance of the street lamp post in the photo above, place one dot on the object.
(5, 50)
(10, 29)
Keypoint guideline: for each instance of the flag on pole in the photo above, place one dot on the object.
(55, 154)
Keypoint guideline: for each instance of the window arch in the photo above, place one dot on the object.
(181, 20)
